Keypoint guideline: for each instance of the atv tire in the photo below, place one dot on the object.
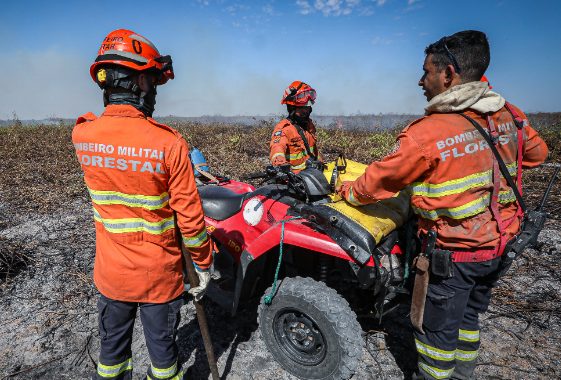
(310, 330)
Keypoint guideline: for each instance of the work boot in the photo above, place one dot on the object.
(464, 370)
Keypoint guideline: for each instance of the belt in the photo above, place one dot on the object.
(479, 255)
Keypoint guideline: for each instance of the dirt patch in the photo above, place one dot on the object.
(49, 311)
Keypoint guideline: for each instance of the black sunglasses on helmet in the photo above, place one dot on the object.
(442, 43)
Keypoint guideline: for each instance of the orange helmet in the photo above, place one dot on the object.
(125, 48)
(299, 94)
(484, 79)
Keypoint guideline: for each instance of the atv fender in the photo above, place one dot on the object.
(245, 260)
(227, 300)
(299, 233)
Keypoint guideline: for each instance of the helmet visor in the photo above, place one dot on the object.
(305, 95)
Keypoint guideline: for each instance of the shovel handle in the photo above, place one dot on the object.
(194, 282)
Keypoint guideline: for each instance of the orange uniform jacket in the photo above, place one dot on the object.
(287, 147)
(449, 166)
(138, 173)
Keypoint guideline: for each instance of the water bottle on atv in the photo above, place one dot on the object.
(290, 243)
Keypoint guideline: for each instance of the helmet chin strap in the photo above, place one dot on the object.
(141, 100)
(302, 121)
(144, 102)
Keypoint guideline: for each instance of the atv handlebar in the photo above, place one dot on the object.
(271, 172)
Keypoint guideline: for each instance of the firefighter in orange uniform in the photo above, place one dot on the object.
(457, 191)
(141, 183)
(294, 139)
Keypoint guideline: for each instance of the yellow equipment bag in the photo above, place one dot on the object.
(358, 229)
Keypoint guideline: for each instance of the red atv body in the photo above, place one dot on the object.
(302, 324)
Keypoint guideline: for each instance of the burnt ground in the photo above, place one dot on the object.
(48, 313)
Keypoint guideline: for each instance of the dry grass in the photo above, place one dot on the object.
(39, 172)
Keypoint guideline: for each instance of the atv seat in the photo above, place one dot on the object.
(220, 203)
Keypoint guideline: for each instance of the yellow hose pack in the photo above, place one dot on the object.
(380, 218)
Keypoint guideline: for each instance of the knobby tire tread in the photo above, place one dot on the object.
(335, 308)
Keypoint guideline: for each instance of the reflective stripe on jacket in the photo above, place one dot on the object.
(449, 166)
(288, 147)
(138, 174)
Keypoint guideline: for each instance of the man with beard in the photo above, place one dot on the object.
(459, 195)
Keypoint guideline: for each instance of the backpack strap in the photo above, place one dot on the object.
(517, 119)
(499, 166)
(303, 136)
(500, 161)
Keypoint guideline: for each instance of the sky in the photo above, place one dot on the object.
(235, 57)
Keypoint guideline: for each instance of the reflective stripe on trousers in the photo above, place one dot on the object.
(451, 342)
(435, 372)
(160, 322)
(469, 336)
(170, 373)
(112, 371)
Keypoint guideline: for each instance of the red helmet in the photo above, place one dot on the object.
(484, 79)
(125, 48)
(299, 94)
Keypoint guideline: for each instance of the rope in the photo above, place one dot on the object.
(269, 298)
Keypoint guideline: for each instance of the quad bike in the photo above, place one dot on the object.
(327, 260)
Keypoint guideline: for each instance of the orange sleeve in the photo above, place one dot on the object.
(382, 179)
(535, 150)
(279, 146)
(184, 199)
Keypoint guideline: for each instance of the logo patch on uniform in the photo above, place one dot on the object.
(101, 75)
(395, 148)
(276, 140)
(277, 133)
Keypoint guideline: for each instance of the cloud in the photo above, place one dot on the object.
(367, 11)
(270, 10)
(329, 6)
(306, 7)
(380, 2)
(412, 6)
(336, 7)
